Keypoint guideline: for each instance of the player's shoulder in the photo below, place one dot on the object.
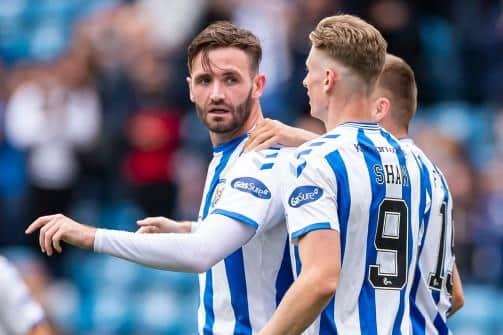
(321, 146)
(265, 160)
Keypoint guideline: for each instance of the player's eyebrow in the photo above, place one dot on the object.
(202, 76)
(231, 73)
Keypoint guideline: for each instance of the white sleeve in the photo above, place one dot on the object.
(217, 237)
(251, 194)
(19, 313)
(310, 197)
(194, 225)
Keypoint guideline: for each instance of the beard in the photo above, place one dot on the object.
(226, 123)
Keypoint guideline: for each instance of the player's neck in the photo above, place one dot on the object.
(401, 134)
(351, 109)
(253, 118)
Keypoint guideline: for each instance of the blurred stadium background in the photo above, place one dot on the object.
(95, 122)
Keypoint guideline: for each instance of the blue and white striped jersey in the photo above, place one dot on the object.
(432, 287)
(240, 293)
(357, 180)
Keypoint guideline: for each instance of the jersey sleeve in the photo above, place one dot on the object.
(309, 196)
(19, 312)
(251, 193)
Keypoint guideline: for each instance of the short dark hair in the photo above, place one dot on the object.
(224, 34)
(397, 78)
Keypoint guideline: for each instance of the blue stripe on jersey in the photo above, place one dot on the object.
(285, 274)
(418, 320)
(301, 167)
(316, 144)
(327, 322)
(406, 195)
(332, 136)
(235, 269)
(236, 216)
(273, 155)
(441, 325)
(343, 195)
(227, 149)
(307, 229)
(298, 264)
(266, 166)
(366, 300)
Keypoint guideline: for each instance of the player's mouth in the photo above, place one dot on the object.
(218, 111)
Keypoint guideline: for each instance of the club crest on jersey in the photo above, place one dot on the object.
(217, 194)
(253, 186)
(304, 194)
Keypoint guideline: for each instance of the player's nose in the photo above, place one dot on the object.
(216, 94)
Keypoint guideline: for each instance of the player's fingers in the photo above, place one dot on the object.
(148, 230)
(258, 138)
(156, 220)
(39, 223)
(56, 241)
(48, 237)
(267, 144)
(262, 138)
(149, 221)
(265, 125)
(41, 235)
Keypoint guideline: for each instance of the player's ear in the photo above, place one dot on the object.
(189, 82)
(258, 85)
(330, 80)
(381, 109)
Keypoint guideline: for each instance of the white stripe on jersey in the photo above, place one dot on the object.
(347, 168)
(433, 303)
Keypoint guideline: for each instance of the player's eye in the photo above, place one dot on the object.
(230, 80)
(204, 80)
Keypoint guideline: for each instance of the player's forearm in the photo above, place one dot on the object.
(162, 251)
(458, 298)
(301, 305)
(195, 252)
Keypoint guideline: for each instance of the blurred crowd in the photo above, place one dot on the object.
(95, 122)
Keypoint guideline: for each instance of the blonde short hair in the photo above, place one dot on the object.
(354, 43)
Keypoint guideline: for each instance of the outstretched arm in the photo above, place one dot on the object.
(217, 237)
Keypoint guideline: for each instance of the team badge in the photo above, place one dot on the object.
(217, 194)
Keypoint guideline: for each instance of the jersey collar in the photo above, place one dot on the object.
(230, 145)
(407, 140)
(364, 125)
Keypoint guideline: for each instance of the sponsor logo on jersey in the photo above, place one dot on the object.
(253, 186)
(304, 194)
